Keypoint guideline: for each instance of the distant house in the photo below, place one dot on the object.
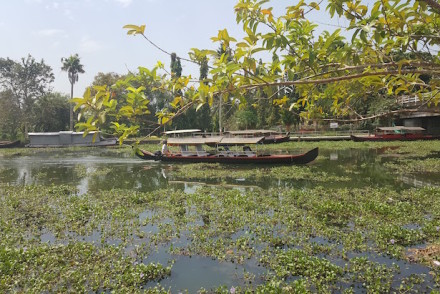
(427, 117)
(68, 138)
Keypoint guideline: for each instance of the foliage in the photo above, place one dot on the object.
(388, 55)
(10, 118)
(245, 119)
(51, 113)
(281, 228)
(23, 83)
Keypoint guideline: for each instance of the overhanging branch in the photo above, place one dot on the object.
(383, 114)
(433, 4)
(341, 78)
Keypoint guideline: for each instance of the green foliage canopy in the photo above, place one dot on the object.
(22, 83)
(393, 51)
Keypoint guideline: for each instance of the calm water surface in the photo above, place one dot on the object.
(92, 170)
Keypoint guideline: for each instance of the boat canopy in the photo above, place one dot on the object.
(251, 132)
(401, 128)
(193, 141)
(240, 141)
(177, 132)
(218, 140)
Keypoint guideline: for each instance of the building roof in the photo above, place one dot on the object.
(401, 128)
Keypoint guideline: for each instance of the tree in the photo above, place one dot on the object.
(51, 113)
(288, 119)
(245, 119)
(10, 116)
(176, 66)
(72, 65)
(390, 54)
(25, 81)
(204, 113)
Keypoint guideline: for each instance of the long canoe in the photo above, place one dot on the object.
(396, 133)
(394, 137)
(303, 158)
(9, 144)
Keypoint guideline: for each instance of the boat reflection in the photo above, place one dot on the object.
(413, 181)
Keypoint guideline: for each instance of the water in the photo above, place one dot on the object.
(94, 170)
(91, 170)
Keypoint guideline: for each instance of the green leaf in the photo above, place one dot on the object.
(314, 5)
(199, 106)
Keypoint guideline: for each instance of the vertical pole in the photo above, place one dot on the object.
(71, 108)
(220, 116)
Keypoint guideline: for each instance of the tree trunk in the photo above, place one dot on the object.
(71, 107)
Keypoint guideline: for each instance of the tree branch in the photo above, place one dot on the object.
(308, 81)
(433, 4)
(389, 113)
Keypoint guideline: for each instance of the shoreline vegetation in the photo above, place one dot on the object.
(332, 235)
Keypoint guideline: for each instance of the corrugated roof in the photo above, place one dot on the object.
(182, 131)
(400, 128)
(219, 140)
(193, 140)
(240, 141)
(251, 132)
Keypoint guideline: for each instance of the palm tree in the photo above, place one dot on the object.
(73, 67)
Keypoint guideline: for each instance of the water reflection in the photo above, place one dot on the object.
(86, 172)
(415, 181)
(102, 170)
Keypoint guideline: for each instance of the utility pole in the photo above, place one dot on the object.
(220, 116)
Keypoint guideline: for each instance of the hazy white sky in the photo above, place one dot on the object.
(50, 30)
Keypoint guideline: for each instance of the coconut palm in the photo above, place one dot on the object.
(73, 67)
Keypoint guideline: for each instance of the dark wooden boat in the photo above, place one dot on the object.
(397, 133)
(247, 156)
(9, 144)
(239, 159)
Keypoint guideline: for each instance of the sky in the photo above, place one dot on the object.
(51, 30)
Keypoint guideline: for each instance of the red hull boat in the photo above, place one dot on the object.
(397, 133)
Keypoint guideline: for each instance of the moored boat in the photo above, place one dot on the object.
(223, 153)
(397, 133)
(9, 144)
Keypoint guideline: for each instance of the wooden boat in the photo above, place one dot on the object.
(9, 144)
(397, 133)
(224, 155)
(270, 137)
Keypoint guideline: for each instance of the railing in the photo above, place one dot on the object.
(405, 100)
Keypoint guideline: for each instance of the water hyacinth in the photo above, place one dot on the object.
(281, 234)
